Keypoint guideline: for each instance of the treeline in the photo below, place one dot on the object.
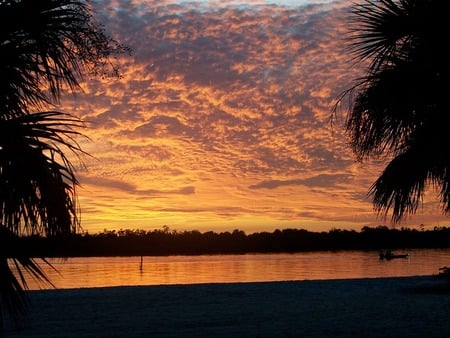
(172, 242)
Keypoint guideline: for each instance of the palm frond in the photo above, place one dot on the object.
(47, 48)
(386, 113)
(37, 180)
(401, 185)
(37, 195)
(398, 108)
(15, 268)
(381, 31)
(12, 295)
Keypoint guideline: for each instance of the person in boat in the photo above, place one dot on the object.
(386, 254)
(390, 255)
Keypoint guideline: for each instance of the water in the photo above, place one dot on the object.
(128, 271)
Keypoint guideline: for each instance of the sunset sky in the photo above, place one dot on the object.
(221, 121)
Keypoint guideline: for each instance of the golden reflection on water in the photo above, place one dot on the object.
(84, 272)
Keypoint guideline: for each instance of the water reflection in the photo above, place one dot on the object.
(80, 272)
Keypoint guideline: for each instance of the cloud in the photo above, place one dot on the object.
(322, 181)
(132, 189)
(162, 126)
(216, 98)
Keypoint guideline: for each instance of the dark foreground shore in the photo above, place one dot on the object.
(382, 307)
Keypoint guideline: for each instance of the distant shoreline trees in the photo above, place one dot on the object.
(166, 242)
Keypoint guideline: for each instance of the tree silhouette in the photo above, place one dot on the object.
(398, 109)
(46, 46)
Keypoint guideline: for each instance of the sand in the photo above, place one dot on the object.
(381, 307)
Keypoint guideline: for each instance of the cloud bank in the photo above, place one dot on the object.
(222, 119)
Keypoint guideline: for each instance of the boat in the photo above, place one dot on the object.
(390, 255)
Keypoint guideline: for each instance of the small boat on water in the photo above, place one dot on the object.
(390, 255)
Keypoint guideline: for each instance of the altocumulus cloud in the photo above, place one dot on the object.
(220, 102)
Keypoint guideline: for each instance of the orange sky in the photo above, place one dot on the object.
(222, 121)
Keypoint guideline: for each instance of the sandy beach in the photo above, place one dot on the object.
(380, 307)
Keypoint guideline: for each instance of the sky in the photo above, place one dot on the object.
(222, 120)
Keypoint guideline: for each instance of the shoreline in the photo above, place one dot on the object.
(369, 307)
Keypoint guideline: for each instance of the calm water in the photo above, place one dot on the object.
(126, 271)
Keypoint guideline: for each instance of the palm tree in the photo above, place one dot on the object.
(397, 109)
(37, 194)
(46, 46)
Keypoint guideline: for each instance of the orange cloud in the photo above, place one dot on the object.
(221, 120)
